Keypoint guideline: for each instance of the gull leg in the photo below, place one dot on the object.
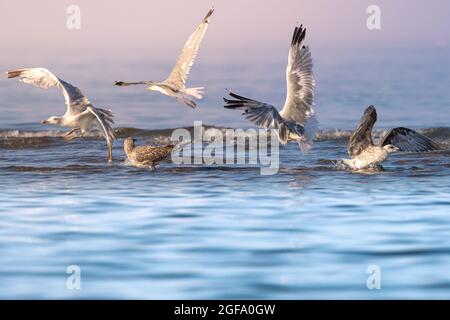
(72, 134)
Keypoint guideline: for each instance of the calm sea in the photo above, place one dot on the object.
(224, 231)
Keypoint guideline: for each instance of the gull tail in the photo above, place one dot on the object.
(181, 145)
(196, 92)
(311, 128)
(178, 148)
(14, 73)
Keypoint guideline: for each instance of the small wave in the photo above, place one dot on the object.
(442, 133)
(39, 139)
(69, 168)
(6, 134)
(333, 135)
(17, 139)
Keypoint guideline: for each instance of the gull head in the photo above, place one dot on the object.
(390, 148)
(128, 144)
(52, 120)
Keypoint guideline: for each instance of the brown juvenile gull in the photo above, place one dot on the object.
(367, 154)
(145, 156)
(81, 116)
(297, 121)
(175, 84)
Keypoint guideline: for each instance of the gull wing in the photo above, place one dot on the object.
(180, 71)
(104, 122)
(76, 102)
(409, 140)
(299, 105)
(263, 115)
(152, 153)
(361, 138)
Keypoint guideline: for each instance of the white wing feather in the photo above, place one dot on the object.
(299, 105)
(180, 71)
(75, 101)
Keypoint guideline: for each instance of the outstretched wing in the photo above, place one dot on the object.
(76, 102)
(263, 115)
(180, 71)
(361, 138)
(104, 122)
(299, 105)
(406, 139)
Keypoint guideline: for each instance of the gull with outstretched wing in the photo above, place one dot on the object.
(81, 116)
(297, 120)
(175, 84)
(367, 154)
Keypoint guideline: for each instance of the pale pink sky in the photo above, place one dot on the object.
(235, 24)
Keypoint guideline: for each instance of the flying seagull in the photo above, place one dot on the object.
(80, 116)
(175, 84)
(145, 156)
(367, 154)
(297, 121)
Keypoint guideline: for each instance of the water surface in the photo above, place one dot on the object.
(223, 231)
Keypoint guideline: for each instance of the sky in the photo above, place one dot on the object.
(245, 49)
(41, 25)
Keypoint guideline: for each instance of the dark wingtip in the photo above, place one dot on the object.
(227, 103)
(299, 35)
(372, 112)
(118, 83)
(210, 12)
(371, 108)
(12, 74)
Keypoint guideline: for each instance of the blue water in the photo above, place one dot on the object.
(224, 231)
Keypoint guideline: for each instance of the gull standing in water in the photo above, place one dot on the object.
(81, 116)
(145, 156)
(297, 121)
(367, 154)
(175, 84)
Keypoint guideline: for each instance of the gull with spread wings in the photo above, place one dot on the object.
(297, 121)
(81, 116)
(367, 154)
(175, 84)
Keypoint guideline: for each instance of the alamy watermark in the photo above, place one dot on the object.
(242, 147)
(73, 281)
(374, 17)
(374, 278)
(73, 21)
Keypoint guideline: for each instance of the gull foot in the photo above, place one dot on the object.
(72, 134)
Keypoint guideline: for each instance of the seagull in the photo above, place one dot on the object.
(366, 154)
(145, 156)
(297, 121)
(175, 84)
(80, 116)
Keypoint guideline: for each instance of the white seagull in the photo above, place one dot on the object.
(175, 84)
(297, 121)
(367, 154)
(81, 116)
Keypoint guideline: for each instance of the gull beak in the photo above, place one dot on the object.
(44, 121)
